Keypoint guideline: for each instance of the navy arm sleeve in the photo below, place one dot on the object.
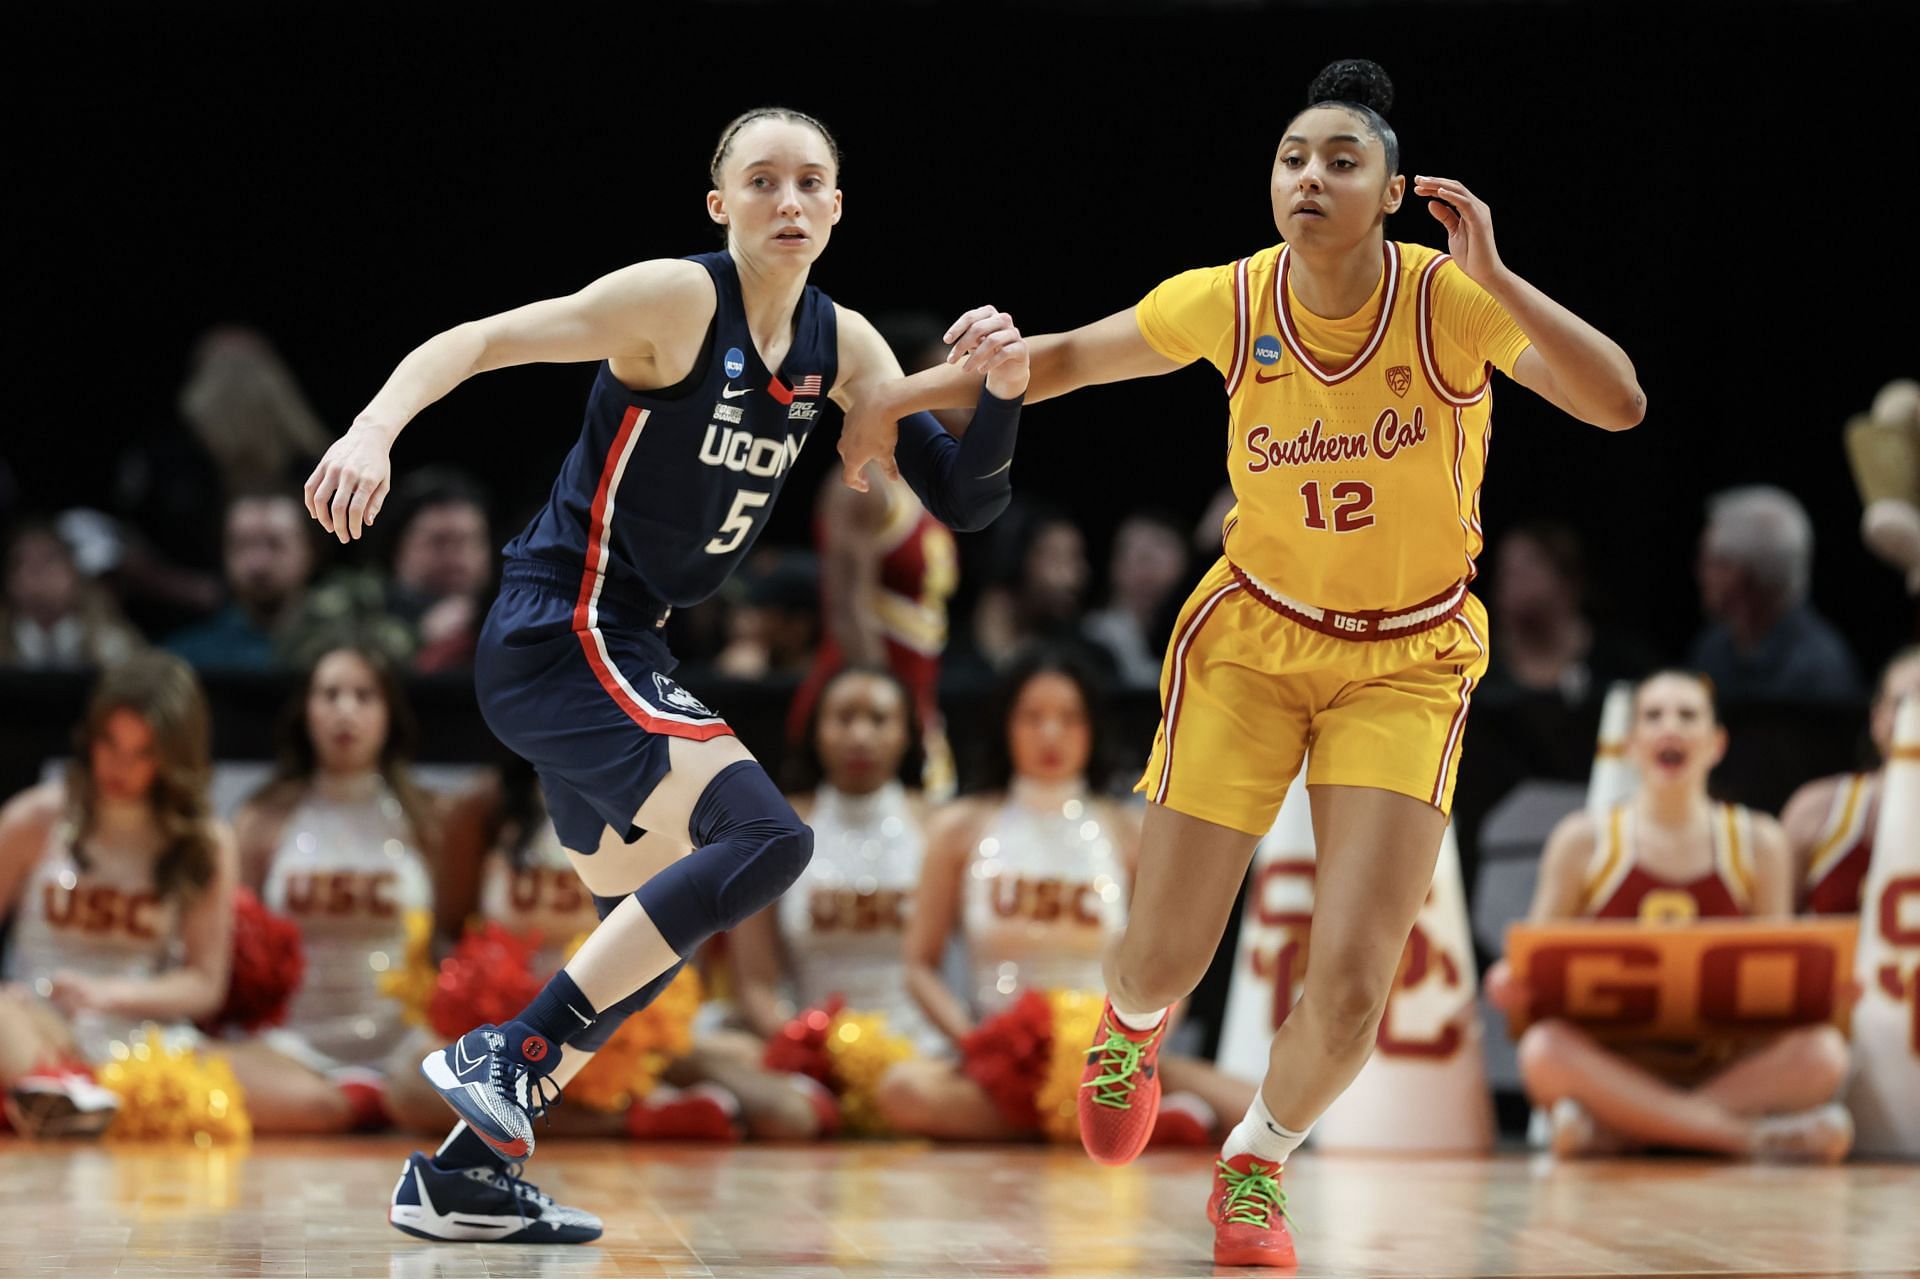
(963, 483)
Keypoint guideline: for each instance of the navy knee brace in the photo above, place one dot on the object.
(749, 848)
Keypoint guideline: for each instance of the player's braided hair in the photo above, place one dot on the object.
(746, 118)
(1362, 88)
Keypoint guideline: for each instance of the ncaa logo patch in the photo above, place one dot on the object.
(736, 362)
(1399, 378)
(1266, 351)
(672, 695)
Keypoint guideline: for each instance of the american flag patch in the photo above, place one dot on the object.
(809, 385)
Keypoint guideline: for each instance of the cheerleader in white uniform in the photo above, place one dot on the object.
(338, 842)
(839, 929)
(121, 883)
(1034, 875)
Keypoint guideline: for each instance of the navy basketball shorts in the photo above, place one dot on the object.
(575, 682)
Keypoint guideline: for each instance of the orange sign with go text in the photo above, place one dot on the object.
(1719, 979)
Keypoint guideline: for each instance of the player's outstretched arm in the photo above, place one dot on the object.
(1571, 364)
(611, 318)
(1109, 350)
(964, 482)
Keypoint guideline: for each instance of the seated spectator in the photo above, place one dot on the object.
(1669, 855)
(1831, 822)
(269, 556)
(1146, 582)
(1764, 641)
(340, 842)
(244, 427)
(54, 617)
(427, 613)
(773, 625)
(1040, 596)
(122, 880)
(1543, 641)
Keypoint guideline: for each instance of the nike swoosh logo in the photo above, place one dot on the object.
(463, 1064)
(728, 393)
(1261, 376)
(584, 1021)
(996, 470)
(1276, 1132)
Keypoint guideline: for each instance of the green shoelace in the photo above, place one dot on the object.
(1119, 1062)
(1252, 1196)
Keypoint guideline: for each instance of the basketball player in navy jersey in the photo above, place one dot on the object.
(715, 371)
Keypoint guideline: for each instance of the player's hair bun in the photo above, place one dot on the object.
(1353, 80)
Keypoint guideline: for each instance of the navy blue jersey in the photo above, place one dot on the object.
(667, 490)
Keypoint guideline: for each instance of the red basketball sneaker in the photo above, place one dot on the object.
(1119, 1090)
(1249, 1214)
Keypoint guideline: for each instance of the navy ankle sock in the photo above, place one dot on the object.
(559, 1013)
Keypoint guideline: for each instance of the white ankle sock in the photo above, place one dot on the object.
(1140, 1021)
(1261, 1137)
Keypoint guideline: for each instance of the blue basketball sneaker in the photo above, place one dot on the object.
(481, 1205)
(495, 1077)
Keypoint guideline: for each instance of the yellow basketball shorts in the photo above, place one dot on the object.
(1248, 689)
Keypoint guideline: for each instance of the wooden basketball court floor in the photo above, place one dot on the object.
(310, 1208)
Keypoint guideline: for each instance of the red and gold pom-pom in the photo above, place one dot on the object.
(627, 1068)
(174, 1094)
(860, 1050)
(411, 981)
(487, 979)
(268, 963)
(1076, 1015)
(800, 1046)
(1008, 1055)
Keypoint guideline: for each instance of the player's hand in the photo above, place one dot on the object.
(351, 483)
(868, 435)
(1469, 224)
(1505, 991)
(984, 340)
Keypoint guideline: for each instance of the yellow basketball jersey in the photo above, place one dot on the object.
(1356, 447)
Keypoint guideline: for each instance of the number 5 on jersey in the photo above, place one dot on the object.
(738, 523)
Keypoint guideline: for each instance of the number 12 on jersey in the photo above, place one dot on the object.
(738, 523)
(1351, 498)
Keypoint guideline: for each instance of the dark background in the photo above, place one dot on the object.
(1722, 188)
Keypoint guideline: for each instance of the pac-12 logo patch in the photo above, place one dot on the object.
(1266, 350)
(1399, 378)
(671, 694)
(736, 362)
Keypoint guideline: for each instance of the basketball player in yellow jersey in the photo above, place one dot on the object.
(1357, 374)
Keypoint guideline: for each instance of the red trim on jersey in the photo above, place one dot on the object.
(779, 392)
(1242, 328)
(598, 520)
(1391, 270)
(586, 612)
(1176, 689)
(1428, 360)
